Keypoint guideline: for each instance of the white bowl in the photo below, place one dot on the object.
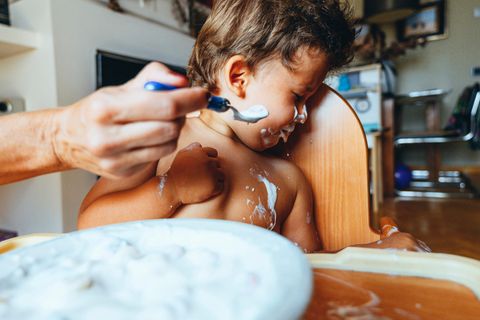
(158, 269)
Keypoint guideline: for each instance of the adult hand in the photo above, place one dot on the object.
(117, 131)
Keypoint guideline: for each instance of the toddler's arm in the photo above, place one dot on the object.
(105, 185)
(194, 177)
(299, 226)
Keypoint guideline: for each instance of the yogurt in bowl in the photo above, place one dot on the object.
(158, 269)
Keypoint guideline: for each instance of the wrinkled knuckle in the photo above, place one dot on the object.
(99, 108)
(154, 66)
(109, 165)
(98, 146)
(98, 111)
(99, 98)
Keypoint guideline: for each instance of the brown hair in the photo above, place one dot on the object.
(263, 29)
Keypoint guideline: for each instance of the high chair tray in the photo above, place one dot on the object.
(358, 283)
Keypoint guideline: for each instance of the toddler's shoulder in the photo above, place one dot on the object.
(290, 171)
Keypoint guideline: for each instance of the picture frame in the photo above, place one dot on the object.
(428, 22)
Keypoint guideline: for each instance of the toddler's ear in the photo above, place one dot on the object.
(237, 75)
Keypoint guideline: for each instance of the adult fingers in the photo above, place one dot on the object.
(122, 164)
(109, 140)
(141, 105)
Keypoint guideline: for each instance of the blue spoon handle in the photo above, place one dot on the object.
(157, 86)
(218, 104)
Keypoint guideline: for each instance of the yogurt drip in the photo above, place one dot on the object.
(300, 117)
(270, 137)
(272, 199)
(286, 131)
(162, 182)
(260, 211)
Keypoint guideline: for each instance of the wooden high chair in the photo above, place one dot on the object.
(331, 150)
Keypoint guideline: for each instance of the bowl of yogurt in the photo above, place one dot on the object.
(158, 269)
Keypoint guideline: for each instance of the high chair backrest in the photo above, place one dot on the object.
(331, 150)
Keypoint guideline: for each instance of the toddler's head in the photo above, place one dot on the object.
(274, 53)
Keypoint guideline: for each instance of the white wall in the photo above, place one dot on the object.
(33, 205)
(62, 71)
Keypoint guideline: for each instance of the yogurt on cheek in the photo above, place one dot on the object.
(270, 137)
(286, 131)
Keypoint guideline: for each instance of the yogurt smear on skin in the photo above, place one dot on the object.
(272, 199)
(260, 212)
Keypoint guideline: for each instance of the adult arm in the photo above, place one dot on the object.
(115, 132)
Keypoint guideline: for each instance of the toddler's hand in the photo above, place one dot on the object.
(196, 174)
(391, 238)
(401, 241)
(394, 239)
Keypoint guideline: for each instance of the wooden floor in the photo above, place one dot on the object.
(447, 226)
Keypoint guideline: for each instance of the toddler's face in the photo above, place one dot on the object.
(284, 93)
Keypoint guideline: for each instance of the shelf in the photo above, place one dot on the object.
(358, 93)
(420, 97)
(14, 40)
(360, 68)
